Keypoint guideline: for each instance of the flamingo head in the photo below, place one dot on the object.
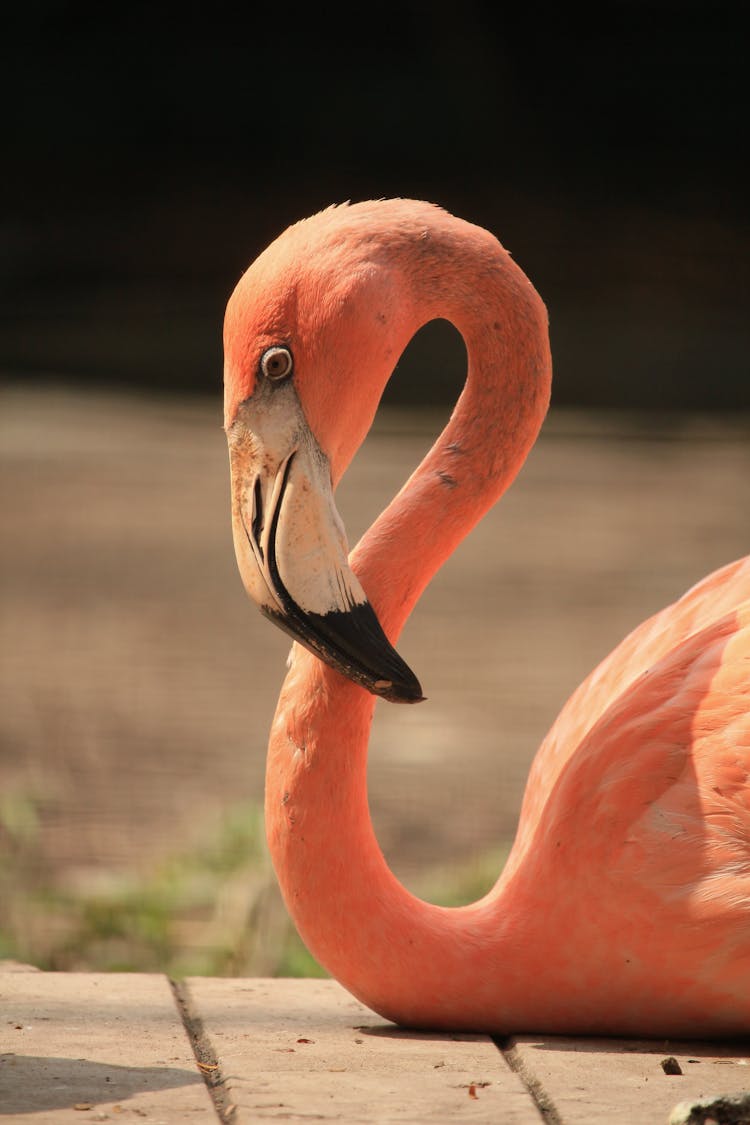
(312, 332)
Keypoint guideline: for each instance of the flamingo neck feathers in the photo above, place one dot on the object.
(381, 942)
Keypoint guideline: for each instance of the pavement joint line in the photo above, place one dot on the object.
(537, 1093)
(206, 1058)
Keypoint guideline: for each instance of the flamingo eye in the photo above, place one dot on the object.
(276, 363)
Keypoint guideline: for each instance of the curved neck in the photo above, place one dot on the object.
(479, 453)
(387, 947)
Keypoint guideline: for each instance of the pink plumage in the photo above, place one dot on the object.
(624, 907)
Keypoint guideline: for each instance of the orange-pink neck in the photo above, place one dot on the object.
(409, 960)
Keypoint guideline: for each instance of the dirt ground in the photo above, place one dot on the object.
(138, 683)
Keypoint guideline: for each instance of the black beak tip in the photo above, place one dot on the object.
(407, 691)
(370, 658)
(354, 644)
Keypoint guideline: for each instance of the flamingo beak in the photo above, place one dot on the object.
(291, 546)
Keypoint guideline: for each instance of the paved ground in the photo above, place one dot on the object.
(138, 683)
(128, 1047)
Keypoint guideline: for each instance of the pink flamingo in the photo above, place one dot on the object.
(624, 907)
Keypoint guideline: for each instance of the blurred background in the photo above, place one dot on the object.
(149, 155)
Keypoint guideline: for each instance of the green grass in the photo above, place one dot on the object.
(214, 909)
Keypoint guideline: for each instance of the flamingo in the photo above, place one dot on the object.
(624, 907)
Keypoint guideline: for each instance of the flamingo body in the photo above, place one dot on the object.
(624, 907)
